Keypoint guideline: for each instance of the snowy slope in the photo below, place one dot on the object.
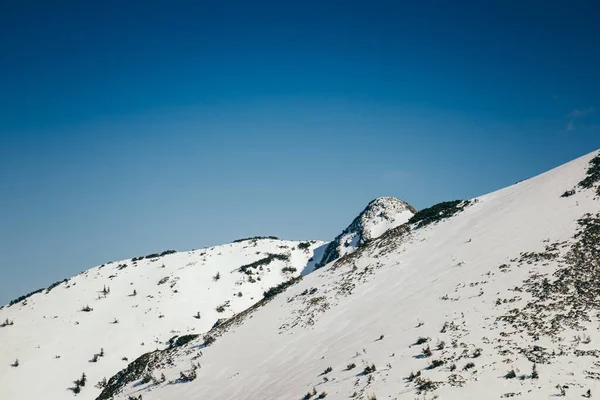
(505, 284)
(380, 215)
(145, 303)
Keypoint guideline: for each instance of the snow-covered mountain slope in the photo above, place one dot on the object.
(380, 215)
(133, 306)
(493, 298)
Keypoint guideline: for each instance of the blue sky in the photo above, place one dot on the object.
(131, 128)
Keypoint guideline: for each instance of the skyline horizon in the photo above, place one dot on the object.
(125, 129)
(263, 235)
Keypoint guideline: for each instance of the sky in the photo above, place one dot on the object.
(130, 127)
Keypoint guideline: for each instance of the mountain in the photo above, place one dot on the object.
(380, 215)
(493, 297)
(102, 319)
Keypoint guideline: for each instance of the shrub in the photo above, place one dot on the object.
(421, 340)
(217, 276)
(288, 269)
(281, 287)
(55, 284)
(187, 377)
(221, 307)
(156, 255)
(256, 238)
(426, 352)
(82, 381)
(469, 366)
(568, 193)
(534, 372)
(310, 394)
(510, 374)
(16, 363)
(21, 298)
(264, 261)
(327, 370)
(425, 385)
(185, 339)
(351, 366)
(304, 245)
(369, 369)
(440, 345)
(208, 340)
(413, 376)
(87, 308)
(435, 364)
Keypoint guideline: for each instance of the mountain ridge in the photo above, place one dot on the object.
(451, 302)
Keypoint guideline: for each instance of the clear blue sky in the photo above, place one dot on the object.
(132, 127)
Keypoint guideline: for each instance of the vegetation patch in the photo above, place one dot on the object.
(281, 287)
(255, 238)
(570, 292)
(304, 246)
(21, 298)
(592, 175)
(154, 255)
(134, 371)
(264, 261)
(438, 212)
(164, 253)
(55, 284)
(185, 339)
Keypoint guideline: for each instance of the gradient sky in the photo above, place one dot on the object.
(133, 127)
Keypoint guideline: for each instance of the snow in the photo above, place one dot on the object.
(404, 287)
(52, 325)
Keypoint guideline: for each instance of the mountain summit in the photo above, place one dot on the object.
(380, 215)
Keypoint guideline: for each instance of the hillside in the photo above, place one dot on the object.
(102, 319)
(495, 297)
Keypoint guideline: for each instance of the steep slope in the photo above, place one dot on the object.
(494, 298)
(98, 321)
(380, 215)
